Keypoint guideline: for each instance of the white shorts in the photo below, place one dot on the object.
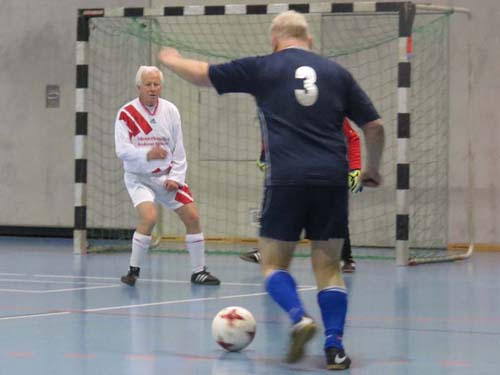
(152, 189)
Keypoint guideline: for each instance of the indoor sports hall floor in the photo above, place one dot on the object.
(66, 314)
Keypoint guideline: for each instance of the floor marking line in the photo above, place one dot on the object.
(152, 280)
(179, 301)
(12, 274)
(99, 309)
(48, 281)
(31, 291)
(35, 315)
(82, 288)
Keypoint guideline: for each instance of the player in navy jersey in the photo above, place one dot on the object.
(302, 100)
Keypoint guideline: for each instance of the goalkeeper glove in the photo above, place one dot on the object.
(355, 185)
(261, 165)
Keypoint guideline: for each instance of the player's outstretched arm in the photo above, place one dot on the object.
(193, 71)
(375, 140)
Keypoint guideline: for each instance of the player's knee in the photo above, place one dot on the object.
(329, 275)
(194, 217)
(149, 218)
(192, 221)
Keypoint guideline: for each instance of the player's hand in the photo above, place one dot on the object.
(355, 185)
(171, 185)
(157, 153)
(261, 165)
(371, 178)
(167, 54)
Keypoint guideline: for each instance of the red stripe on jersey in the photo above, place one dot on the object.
(157, 170)
(132, 127)
(143, 124)
(184, 195)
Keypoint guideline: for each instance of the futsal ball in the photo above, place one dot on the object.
(233, 328)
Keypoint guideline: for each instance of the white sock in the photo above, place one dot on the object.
(195, 244)
(140, 246)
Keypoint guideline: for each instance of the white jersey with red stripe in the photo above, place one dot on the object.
(138, 129)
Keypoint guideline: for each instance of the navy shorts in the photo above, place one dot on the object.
(320, 210)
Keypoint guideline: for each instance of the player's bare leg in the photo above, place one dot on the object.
(325, 259)
(276, 255)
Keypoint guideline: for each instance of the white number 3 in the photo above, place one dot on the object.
(309, 94)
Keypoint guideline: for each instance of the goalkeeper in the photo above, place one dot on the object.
(354, 157)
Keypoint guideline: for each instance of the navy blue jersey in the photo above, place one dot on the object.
(302, 100)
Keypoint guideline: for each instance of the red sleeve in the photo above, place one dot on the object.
(353, 146)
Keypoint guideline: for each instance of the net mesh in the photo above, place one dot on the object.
(221, 133)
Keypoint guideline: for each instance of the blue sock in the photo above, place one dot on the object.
(282, 288)
(333, 305)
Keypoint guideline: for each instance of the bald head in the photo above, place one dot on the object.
(288, 29)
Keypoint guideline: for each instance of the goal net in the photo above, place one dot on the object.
(222, 134)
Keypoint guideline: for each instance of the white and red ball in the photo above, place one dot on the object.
(233, 328)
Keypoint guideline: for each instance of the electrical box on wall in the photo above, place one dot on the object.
(52, 95)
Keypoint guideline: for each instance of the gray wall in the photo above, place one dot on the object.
(37, 47)
(37, 44)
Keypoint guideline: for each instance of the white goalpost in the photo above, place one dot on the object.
(398, 52)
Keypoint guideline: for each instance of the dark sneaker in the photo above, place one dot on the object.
(349, 266)
(302, 333)
(204, 278)
(131, 277)
(336, 359)
(251, 256)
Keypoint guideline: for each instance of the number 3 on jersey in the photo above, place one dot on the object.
(309, 94)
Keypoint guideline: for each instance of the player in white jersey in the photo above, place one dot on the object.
(148, 139)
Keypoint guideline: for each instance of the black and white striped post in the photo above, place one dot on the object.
(406, 17)
(81, 128)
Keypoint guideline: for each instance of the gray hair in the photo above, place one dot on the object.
(290, 24)
(146, 69)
